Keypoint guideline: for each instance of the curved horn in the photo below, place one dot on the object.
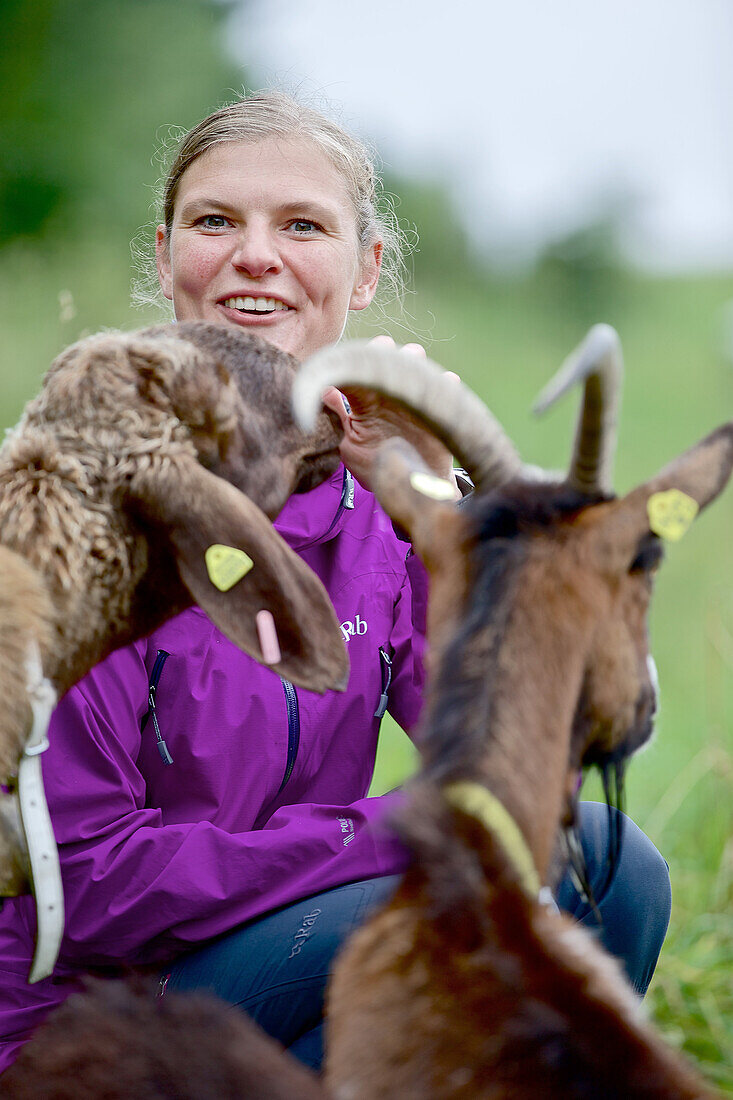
(447, 408)
(598, 361)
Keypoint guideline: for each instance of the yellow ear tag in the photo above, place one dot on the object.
(437, 488)
(226, 565)
(671, 513)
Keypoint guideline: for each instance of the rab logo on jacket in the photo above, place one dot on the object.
(359, 626)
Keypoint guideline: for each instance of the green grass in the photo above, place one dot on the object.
(505, 340)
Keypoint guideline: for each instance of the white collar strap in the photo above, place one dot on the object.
(36, 821)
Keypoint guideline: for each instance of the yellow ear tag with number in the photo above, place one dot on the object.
(437, 488)
(226, 565)
(671, 513)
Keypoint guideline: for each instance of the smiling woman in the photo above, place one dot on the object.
(240, 857)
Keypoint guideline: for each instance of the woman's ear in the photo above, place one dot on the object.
(163, 261)
(367, 277)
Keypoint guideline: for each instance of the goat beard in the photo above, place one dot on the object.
(613, 773)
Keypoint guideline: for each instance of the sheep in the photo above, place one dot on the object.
(467, 984)
(141, 453)
(116, 1040)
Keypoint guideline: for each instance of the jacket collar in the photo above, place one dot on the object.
(317, 516)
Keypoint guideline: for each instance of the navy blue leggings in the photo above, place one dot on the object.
(276, 967)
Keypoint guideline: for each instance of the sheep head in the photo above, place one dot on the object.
(138, 482)
(539, 588)
(232, 390)
(143, 450)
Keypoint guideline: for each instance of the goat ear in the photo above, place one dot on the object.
(668, 503)
(198, 511)
(413, 497)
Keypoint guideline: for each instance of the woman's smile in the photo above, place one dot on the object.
(254, 311)
(255, 305)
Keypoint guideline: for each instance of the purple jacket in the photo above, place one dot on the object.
(265, 799)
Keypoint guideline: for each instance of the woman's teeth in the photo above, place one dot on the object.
(256, 305)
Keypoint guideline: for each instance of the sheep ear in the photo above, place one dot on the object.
(234, 564)
(413, 497)
(669, 503)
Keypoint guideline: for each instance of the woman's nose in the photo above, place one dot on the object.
(256, 253)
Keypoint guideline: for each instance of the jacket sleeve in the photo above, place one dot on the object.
(139, 890)
(408, 643)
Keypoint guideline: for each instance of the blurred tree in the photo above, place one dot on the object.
(89, 89)
(582, 274)
(429, 219)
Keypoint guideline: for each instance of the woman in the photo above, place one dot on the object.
(241, 855)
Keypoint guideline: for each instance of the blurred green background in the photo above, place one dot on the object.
(91, 89)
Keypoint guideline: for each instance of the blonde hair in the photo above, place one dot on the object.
(265, 114)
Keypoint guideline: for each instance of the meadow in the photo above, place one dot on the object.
(506, 337)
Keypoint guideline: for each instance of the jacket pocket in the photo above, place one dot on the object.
(160, 658)
(385, 661)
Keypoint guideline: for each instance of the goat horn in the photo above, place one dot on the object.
(447, 408)
(599, 363)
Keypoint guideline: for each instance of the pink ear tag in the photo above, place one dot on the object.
(267, 634)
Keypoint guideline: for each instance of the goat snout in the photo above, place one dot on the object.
(322, 459)
(645, 713)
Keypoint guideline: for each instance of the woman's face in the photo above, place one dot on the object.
(264, 237)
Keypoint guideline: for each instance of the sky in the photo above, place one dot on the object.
(538, 116)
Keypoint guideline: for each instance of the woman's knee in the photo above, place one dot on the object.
(641, 872)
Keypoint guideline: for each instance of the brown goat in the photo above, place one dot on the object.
(141, 452)
(117, 1041)
(465, 985)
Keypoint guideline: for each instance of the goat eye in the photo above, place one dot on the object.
(648, 557)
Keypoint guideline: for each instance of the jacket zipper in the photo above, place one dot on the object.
(291, 698)
(160, 659)
(293, 710)
(347, 501)
(386, 681)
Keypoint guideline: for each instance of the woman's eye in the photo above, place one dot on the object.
(213, 221)
(304, 227)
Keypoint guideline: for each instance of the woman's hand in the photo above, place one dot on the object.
(371, 418)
